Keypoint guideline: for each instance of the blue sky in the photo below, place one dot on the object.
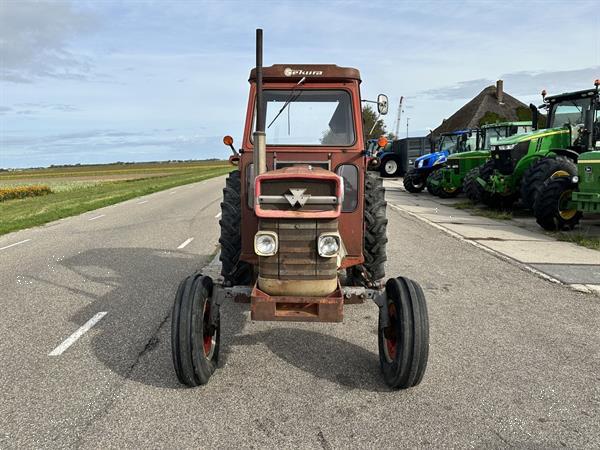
(103, 81)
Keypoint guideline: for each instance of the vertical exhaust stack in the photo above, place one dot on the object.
(260, 138)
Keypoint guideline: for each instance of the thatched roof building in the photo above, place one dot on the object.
(489, 106)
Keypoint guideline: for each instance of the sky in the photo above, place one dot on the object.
(104, 81)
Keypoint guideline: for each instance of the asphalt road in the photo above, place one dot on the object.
(514, 359)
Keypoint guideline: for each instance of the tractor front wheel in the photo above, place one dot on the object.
(403, 334)
(552, 210)
(413, 181)
(434, 182)
(194, 339)
(542, 169)
(473, 190)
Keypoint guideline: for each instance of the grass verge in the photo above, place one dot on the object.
(29, 212)
(489, 213)
(592, 242)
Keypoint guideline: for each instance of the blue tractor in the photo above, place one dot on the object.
(415, 179)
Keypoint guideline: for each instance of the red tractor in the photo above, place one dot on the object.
(303, 226)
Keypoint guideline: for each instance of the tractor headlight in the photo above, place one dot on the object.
(328, 245)
(575, 179)
(420, 164)
(506, 147)
(265, 243)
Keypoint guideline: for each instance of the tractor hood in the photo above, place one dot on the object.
(524, 137)
(431, 159)
(471, 154)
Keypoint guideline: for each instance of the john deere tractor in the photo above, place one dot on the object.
(415, 180)
(563, 198)
(461, 167)
(520, 164)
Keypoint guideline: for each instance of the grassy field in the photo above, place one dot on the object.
(83, 188)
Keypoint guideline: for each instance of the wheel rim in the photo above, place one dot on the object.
(563, 201)
(391, 166)
(560, 173)
(391, 339)
(209, 340)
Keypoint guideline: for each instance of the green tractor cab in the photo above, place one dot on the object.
(461, 169)
(519, 165)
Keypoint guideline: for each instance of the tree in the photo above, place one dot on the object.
(371, 117)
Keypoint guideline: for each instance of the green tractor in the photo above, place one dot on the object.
(519, 165)
(564, 198)
(448, 181)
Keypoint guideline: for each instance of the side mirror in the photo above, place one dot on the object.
(382, 104)
(228, 141)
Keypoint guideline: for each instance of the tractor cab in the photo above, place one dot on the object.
(579, 112)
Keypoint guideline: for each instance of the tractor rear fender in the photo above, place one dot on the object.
(567, 153)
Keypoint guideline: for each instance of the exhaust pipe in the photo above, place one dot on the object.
(260, 138)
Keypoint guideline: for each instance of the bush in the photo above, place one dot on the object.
(10, 193)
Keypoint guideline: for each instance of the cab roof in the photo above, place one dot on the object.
(586, 93)
(312, 72)
(507, 124)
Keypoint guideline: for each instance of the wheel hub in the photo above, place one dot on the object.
(391, 166)
(563, 201)
(390, 336)
(209, 336)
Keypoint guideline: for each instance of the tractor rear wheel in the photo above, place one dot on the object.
(234, 271)
(536, 174)
(434, 189)
(404, 342)
(390, 167)
(473, 190)
(413, 181)
(551, 206)
(194, 341)
(375, 239)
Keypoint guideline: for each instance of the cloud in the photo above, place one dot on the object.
(522, 83)
(34, 40)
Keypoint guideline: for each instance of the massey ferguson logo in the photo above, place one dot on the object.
(297, 197)
(289, 72)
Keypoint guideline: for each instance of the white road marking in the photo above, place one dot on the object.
(80, 332)
(185, 243)
(97, 217)
(218, 216)
(16, 243)
(142, 202)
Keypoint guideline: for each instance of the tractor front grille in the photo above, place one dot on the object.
(297, 258)
(314, 195)
(503, 161)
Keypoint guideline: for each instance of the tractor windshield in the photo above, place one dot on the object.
(449, 143)
(313, 117)
(568, 112)
(491, 135)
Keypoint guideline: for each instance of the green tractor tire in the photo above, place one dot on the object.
(551, 209)
(541, 170)
(473, 190)
(436, 176)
